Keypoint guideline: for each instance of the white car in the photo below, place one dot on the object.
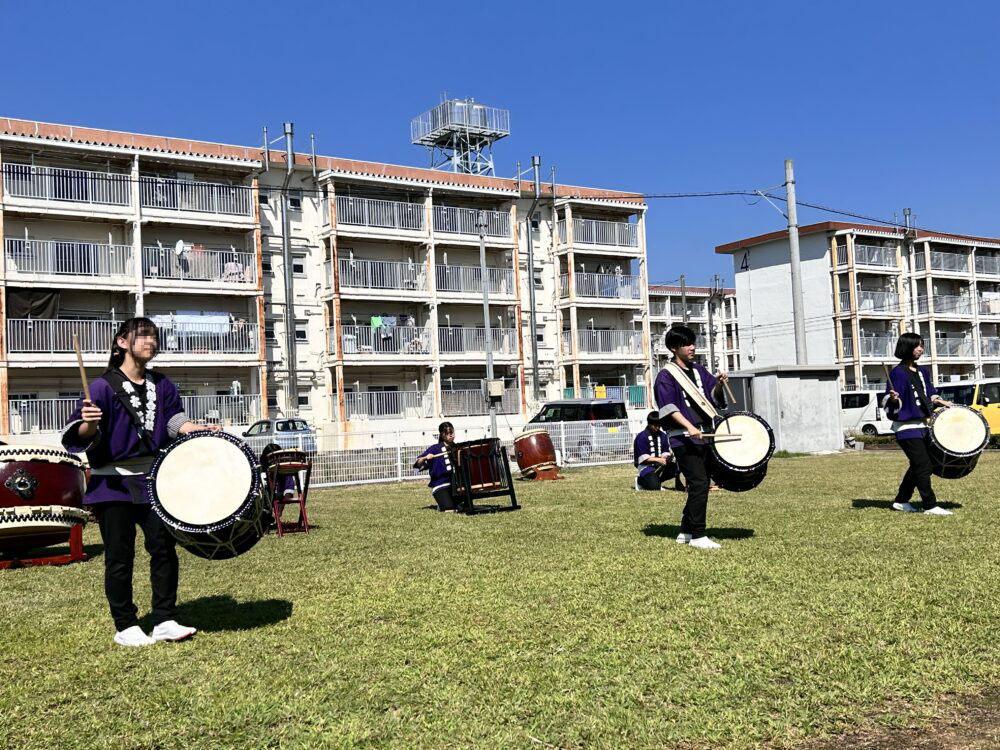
(860, 412)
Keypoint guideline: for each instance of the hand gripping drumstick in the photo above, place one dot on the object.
(79, 361)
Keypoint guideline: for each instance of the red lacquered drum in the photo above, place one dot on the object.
(41, 496)
(480, 458)
(534, 452)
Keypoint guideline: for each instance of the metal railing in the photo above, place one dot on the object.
(866, 386)
(465, 221)
(31, 415)
(463, 340)
(695, 310)
(470, 403)
(196, 264)
(949, 262)
(881, 347)
(884, 302)
(209, 338)
(953, 347)
(841, 255)
(60, 184)
(224, 410)
(373, 212)
(382, 274)
(52, 336)
(57, 257)
(658, 309)
(946, 304)
(848, 346)
(988, 265)
(384, 341)
(610, 342)
(388, 404)
(470, 279)
(875, 255)
(607, 286)
(610, 233)
(989, 306)
(989, 346)
(191, 195)
(459, 113)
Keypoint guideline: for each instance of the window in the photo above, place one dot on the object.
(960, 394)
(304, 402)
(265, 262)
(301, 330)
(989, 393)
(295, 200)
(539, 282)
(269, 336)
(264, 197)
(609, 411)
(260, 428)
(299, 265)
(854, 400)
(540, 338)
(272, 400)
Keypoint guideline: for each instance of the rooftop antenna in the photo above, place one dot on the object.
(460, 133)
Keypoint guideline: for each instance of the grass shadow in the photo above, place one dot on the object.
(672, 530)
(861, 503)
(212, 614)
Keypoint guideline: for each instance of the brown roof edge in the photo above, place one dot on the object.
(674, 289)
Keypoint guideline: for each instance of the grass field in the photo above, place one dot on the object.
(575, 622)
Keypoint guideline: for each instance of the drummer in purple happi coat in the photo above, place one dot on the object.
(132, 413)
(437, 461)
(652, 457)
(909, 399)
(684, 423)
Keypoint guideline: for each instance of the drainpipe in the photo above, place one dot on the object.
(292, 387)
(535, 163)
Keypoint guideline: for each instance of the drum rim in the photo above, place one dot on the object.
(256, 484)
(535, 431)
(39, 453)
(948, 451)
(757, 466)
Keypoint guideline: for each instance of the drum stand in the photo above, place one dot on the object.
(279, 501)
(76, 554)
(466, 493)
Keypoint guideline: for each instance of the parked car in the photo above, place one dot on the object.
(288, 433)
(981, 395)
(595, 425)
(860, 412)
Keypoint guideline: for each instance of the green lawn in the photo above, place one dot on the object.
(574, 622)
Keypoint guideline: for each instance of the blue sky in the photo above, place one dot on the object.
(881, 104)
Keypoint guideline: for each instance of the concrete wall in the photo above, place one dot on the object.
(802, 407)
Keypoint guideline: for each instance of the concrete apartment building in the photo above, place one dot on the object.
(711, 314)
(387, 310)
(863, 285)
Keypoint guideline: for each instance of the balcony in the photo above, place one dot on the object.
(90, 260)
(875, 256)
(455, 342)
(388, 405)
(469, 280)
(197, 197)
(471, 403)
(634, 396)
(694, 310)
(953, 347)
(220, 266)
(988, 265)
(381, 214)
(621, 234)
(36, 415)
(377, 343)
(223, 410)
(67, 185)
(989, 305)
(382, 274)
(945, 304)
(876, 302)
(607, 286)
(941, 261)
(604, 343)
(989, 346)
(848, 347)
(879, 347)
(452, 220)
(658, 308)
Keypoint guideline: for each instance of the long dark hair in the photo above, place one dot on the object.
(129, 330)
(906, 344)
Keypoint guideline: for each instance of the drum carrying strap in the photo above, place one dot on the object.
(690, 390)
(117, 382)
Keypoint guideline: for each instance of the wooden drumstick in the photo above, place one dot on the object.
(722, 435)
(729, 391)
(83, 372)
(888, 377)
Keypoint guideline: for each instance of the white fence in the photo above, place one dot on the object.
(199, 264)
(191, 195)
(466, 221)
(224, 410)
(470, 279)
(372, 212)
(67, 258)
(382, 274)
(59, 184)
(388, 404)
(49, 336)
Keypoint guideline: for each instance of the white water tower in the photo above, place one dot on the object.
(460, 133)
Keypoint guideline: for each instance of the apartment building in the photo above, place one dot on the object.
(863, 285)
(710, 313)
(386, 320)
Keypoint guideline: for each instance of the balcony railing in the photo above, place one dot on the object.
(465, 221)
(865, 386)
(608, 342)
(945, 304)
(633, 395)
(68, 258)
(848, 345)
(470, 279)
(596, 232)
(881, 302)
(388, 404)
(988, 265)
(200, 197)
(382, 274)
(989, 306)
(469, 403)
(50, 336)
(384, 341)
(881, 347)
(875, 255)
(463, 340)
(196, 264)
(695, 310)
(989, 346)
(607, 286)
(74, 185)
(224, 410)
(941, 261)
(953, 347)
(372, 212)
(39, 414)
(658, 309)
(209, 338)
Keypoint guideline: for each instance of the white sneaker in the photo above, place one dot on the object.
(171, 631)
(683, 538)
(133, 636)
(703, 542)
(904, 507)
(937, 510)
(637, 484)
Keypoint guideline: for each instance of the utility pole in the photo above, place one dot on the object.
(488, 332)
(798, 314)
(292, 384)
(711, 323)
(684, 301)
(535, 164)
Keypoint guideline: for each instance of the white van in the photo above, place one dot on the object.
(860, 412)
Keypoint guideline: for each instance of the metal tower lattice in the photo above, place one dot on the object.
(460, 133)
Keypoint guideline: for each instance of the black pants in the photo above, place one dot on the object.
(443, 498)
(694, 462)
(918, 475)
(117, 522)
(653, 480)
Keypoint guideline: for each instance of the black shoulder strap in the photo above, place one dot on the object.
(117, 382)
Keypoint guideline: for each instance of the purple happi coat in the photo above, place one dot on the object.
(117, 444)
(671, 398)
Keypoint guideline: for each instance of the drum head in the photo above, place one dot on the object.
(959, 430)
(203, 480)
(754, 447)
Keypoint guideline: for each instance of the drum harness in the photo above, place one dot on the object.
(136, 464)
(691, 393)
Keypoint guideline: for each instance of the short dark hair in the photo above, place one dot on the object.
(130, 329)
(445, 427)
(653, 417)
(679, 336)
(906, 344)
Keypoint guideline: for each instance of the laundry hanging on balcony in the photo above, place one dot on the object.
(32, 303)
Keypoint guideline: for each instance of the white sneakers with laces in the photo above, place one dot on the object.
(171, 631)
(683, 538)
(703, 542)
(937, 510)
(904, 508)
(133, 636)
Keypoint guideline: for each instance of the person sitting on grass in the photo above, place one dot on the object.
(438, 463)
(652, 456)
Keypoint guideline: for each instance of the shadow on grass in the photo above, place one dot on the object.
(672, 530)
(887, 504)
(212, 614)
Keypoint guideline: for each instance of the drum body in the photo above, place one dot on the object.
(41, 495)
(740, 465)
(207, 489)
(534, 452)
(477, 459)
(958, 436)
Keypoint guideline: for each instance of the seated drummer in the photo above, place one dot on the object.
(438, 463)
(652, 456)
(285, 482)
